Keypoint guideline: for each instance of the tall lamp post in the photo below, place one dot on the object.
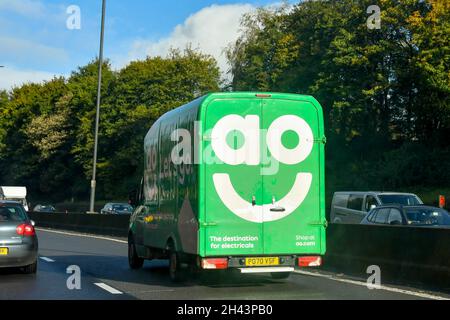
(97, 117)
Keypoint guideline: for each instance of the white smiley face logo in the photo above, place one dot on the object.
(249, 154)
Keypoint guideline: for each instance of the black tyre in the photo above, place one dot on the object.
(280, 275)
(30, 269)
(175, 271)
(133, 259)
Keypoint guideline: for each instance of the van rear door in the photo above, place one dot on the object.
(292, 182)
(232, 191)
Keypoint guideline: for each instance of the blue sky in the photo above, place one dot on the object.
(36, 44)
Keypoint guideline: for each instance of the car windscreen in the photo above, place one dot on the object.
(12, 213)
(427, 216)
(120, 207)
(407, 200)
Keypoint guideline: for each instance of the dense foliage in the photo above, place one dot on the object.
(385, 91)
(47, 130)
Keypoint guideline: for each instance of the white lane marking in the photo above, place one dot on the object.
(385, 288)
(108, 288)
(75, 234)
(47, 259)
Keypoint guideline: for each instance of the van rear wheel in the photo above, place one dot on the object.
(280, 275)
(133, 259)
(175, 271)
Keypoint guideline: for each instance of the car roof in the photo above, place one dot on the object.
(9, 202)
(406, 206)
(375, 192)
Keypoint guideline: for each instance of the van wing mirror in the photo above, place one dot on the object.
(373, 206)
(132, 198)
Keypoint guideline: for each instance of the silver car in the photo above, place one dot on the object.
(18, 240)
(352, 206)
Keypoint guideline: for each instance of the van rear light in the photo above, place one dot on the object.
(310, 261)
(26, 230)
(215, 263)
(441, 202)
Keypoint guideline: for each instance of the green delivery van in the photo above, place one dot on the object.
(233, 181)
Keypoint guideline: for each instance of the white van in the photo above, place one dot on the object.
(352, 206)
(18, 194)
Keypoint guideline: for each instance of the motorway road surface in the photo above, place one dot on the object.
(105, 275)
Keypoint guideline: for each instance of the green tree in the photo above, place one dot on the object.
(381, 89)
(142, 92)
(261, 57)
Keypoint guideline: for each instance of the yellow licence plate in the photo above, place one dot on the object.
(3, 251)
(263, 261)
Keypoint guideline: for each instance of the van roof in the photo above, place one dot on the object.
(14, 192)
(240, 95)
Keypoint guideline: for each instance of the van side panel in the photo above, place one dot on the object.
(188, 188)
(170, 210)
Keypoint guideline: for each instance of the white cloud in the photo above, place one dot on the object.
(10, 77)
(210, 30)
(22, 50)
(27, 8)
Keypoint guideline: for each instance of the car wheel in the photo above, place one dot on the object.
(133, 259)
(175, 271)
(30, 269)
(280, 275)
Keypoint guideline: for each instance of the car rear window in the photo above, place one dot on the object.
(427, 216)
(382, 216)
(12, 213)
(372, 215)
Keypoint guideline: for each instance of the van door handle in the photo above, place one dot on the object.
(276, 208)
(209, 224)
(323, 223)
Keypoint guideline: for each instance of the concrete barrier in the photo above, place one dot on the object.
(404, 254)
(99, 224)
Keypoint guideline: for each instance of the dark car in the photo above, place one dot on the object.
(117, 208)
(400, 215)
(44, 208)
(18, 240)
